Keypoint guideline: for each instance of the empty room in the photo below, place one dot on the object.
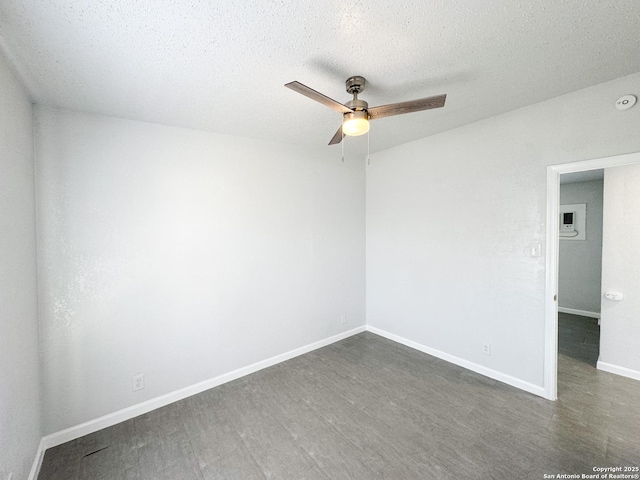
(319, 240)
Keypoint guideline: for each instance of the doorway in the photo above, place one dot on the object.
(579, 268)
(552, 257)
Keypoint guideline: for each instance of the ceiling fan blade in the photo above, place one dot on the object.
(337, 138)
(318, 97)
(407, 107)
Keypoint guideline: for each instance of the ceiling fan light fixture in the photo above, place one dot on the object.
(355, 123)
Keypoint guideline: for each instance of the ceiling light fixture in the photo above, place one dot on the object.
(355, 123)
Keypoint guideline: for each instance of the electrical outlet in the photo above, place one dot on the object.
(344, 318)
(138, 382)
(486, 348)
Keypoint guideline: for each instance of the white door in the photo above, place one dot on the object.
(620, 324)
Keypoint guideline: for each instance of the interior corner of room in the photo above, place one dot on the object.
(143, 262)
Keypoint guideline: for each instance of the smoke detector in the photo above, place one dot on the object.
(625, 102)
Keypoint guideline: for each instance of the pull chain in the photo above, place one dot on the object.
(342, 143)
(368, 156)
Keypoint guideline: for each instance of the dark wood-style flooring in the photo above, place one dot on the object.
(368, 408)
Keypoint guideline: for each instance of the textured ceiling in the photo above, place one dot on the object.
(221, 65)
(579, 177)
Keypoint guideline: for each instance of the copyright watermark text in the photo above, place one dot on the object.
(599, 473)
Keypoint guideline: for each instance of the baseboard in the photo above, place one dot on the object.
(582, 313)
(114, 418)
(37, 462)
(461, 362)
(625, 372)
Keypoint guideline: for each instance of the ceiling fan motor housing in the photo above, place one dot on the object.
(356, 104)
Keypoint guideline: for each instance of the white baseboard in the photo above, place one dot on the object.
(482, 370)
(37, 462)
(625, 372)
(582, 313)
(114, 418)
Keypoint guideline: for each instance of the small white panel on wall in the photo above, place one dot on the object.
(578, 219)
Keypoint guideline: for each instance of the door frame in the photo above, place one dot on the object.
(552, 242)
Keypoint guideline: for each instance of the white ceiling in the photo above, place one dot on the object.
(221, 65)
(579, 177)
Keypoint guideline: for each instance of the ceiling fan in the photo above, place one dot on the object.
(356, 113)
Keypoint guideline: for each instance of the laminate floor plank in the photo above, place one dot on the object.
(367, 408)
(335, 454)
(272, 446)
(370, 436)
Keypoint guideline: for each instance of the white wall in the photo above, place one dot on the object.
(184, 255)
(620, 325)
(580, 261)
(19, 365)
(451, 219)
